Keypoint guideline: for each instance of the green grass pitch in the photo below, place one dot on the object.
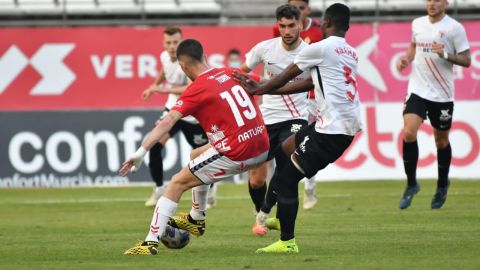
(355, 225)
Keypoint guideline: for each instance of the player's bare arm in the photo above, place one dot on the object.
(147, 93)
(408, 58)
(276, 82)
(178, 90)
(462, 59)
(295, 87)
(134, 162)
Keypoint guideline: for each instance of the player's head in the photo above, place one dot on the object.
(303, 6)
(336, 20)
(234, 58)
(190, 55)
(436, 7)
(288, 23)
(172, 36)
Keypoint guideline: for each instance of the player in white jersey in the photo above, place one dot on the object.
(284, 115)
(438, 43)
(332, 64)
(175, 83)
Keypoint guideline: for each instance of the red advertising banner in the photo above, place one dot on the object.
(108, 67)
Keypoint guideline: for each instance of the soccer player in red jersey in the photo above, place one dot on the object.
(238, 141)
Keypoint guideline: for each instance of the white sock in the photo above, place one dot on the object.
(310, 183)
(261, 217)
(199, 202)
(163, 211)
(160, 189)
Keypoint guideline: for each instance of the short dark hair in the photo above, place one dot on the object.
(287, 11)
(339, 15)
(233, 51)
(172, 30)
(306, 1)
(191, 48)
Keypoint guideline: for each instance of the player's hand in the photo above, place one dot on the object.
(133, 163)
(402, 63)
(438, 49)
(161, 89)
(148, 93)
(249, 84)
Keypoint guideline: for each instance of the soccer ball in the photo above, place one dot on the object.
(175, 238)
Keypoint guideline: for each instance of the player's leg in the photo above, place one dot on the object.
(310, 193)
(440, 115)
(413, 116)
(165, 208)
(314, 152)
(310, 187)
(257, 188)
(286, 139)
(210, 167)
(156, 171)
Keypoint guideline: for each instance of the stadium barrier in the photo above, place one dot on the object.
(70, 107)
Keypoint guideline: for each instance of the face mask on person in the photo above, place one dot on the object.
(234, 64)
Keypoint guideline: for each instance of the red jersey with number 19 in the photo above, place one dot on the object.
(227, 113)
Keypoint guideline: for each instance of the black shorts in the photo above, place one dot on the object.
(279, 132)
(316, 150)
(194, 133)
(439, 113)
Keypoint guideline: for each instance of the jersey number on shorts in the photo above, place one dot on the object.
(243, 100)
(350, 82)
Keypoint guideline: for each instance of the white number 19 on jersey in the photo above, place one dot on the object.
(243, 100)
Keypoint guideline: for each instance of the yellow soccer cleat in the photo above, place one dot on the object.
(143, 248)
(273, 224)
(187, 223)
(280, 247)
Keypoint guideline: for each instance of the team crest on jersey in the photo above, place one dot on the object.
(441, 33)
(295, 128)
(445, 115)
(302, 145)
(216, 134)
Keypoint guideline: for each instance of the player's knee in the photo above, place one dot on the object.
(256, 181)
(179, 183)
(441, 143)
(409, 135)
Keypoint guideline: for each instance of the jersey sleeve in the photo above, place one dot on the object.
(460, 41)
(254, 57)
(413, 32)
(188, 102)
(309, 57)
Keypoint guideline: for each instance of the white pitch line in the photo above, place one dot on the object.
(220, 198)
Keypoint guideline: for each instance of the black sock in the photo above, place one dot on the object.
(444, 157)
(156, 164)
(287, 189)
(271, 196)
(257, 195)
(410, 159)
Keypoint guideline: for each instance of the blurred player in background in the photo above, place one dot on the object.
(176, 83)
(311, 32)
(332, 64)
(438, 43)
(233, 59)
(284, 115)
(238, 141)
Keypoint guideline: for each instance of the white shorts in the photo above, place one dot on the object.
(211, 166)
